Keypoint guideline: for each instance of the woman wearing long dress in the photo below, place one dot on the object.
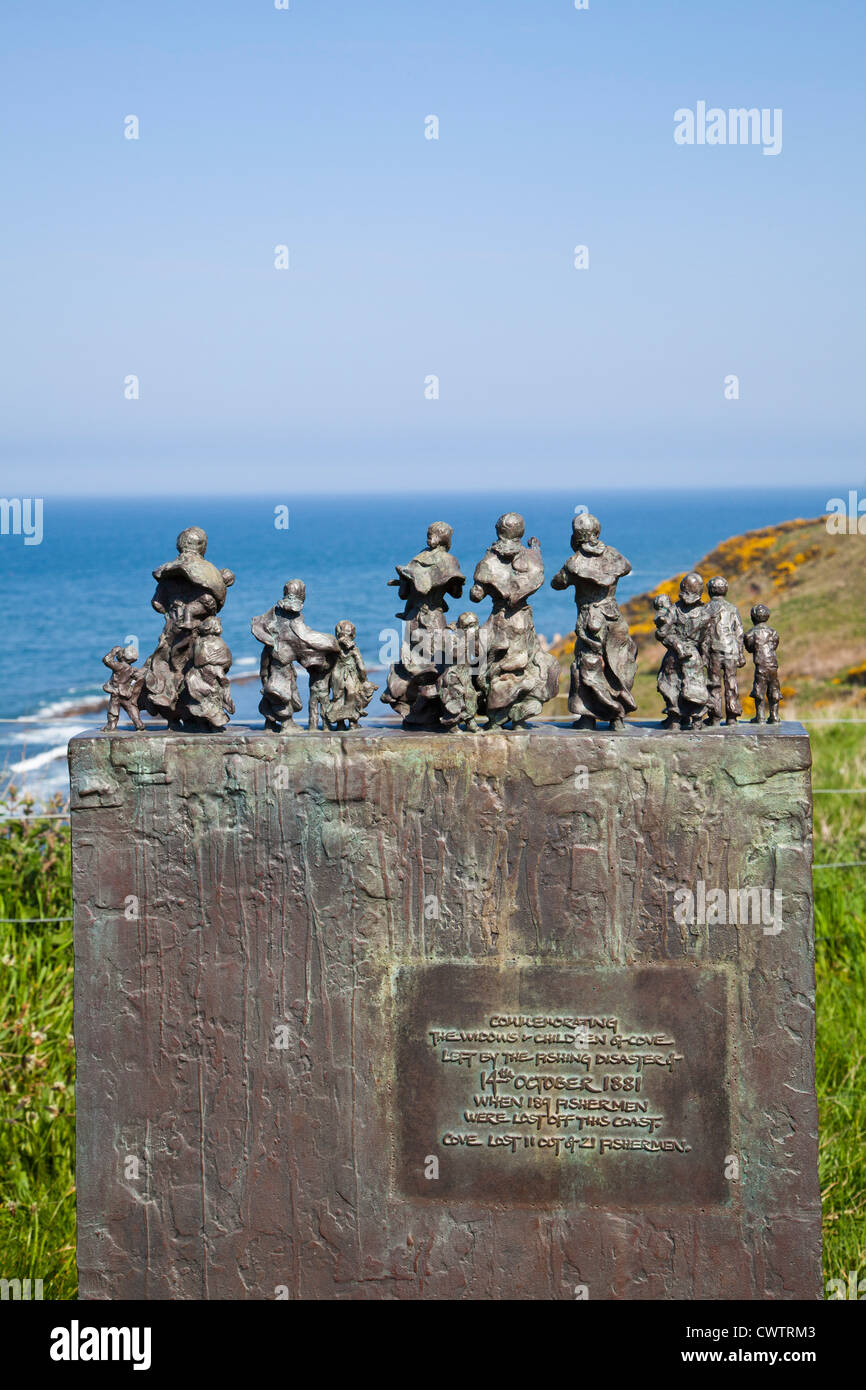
(605, 653)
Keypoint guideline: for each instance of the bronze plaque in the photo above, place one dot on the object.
(557, 1085)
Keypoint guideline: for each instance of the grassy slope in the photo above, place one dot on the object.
(37, 1219)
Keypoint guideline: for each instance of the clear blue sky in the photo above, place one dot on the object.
(412, 257)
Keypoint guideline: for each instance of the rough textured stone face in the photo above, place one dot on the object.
(392, 1015)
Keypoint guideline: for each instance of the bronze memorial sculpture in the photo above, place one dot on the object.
(423, 585)
(350, 692)
(725, 654)
(762, 642)
(123, 687)
(287, 639)
(209, 702)
(186, 677)
(458, 684)
(433, 1015)
(518, 675)
(705, 647)
(605, 655)
(683, 628)
(453, 676)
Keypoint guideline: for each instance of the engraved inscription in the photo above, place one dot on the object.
(552, 1084)
(558, 1084)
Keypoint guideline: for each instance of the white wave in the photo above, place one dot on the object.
(40, 734)
(60, 709)
(40, 759)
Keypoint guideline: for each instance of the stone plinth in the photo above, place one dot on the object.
(393, 1015)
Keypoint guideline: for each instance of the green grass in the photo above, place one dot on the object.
(839, 753)
(37, 1149)
(37, 1062)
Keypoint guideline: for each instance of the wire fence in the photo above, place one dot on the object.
(38, 815)
(32, 921)
(65, 815)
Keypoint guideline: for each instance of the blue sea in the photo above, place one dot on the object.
(88, 585)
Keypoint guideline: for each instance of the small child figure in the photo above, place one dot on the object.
(762, 642)
(351, 692)
(724, 654)
(124, 686)
(457, 686)
(682, 628)
(663, 606)
(663, 622)
(208, 689)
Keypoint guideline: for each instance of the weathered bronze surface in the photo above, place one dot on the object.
(424, 585)
(563, 1087)
(518, 676)
(186, 677)
(704, 648)
(124, 686)
(683, 629)
(268, 930)
(349, 690)
(286, 639)
(605, 655)
(725, 654)
(762, 642)
(459, 685)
